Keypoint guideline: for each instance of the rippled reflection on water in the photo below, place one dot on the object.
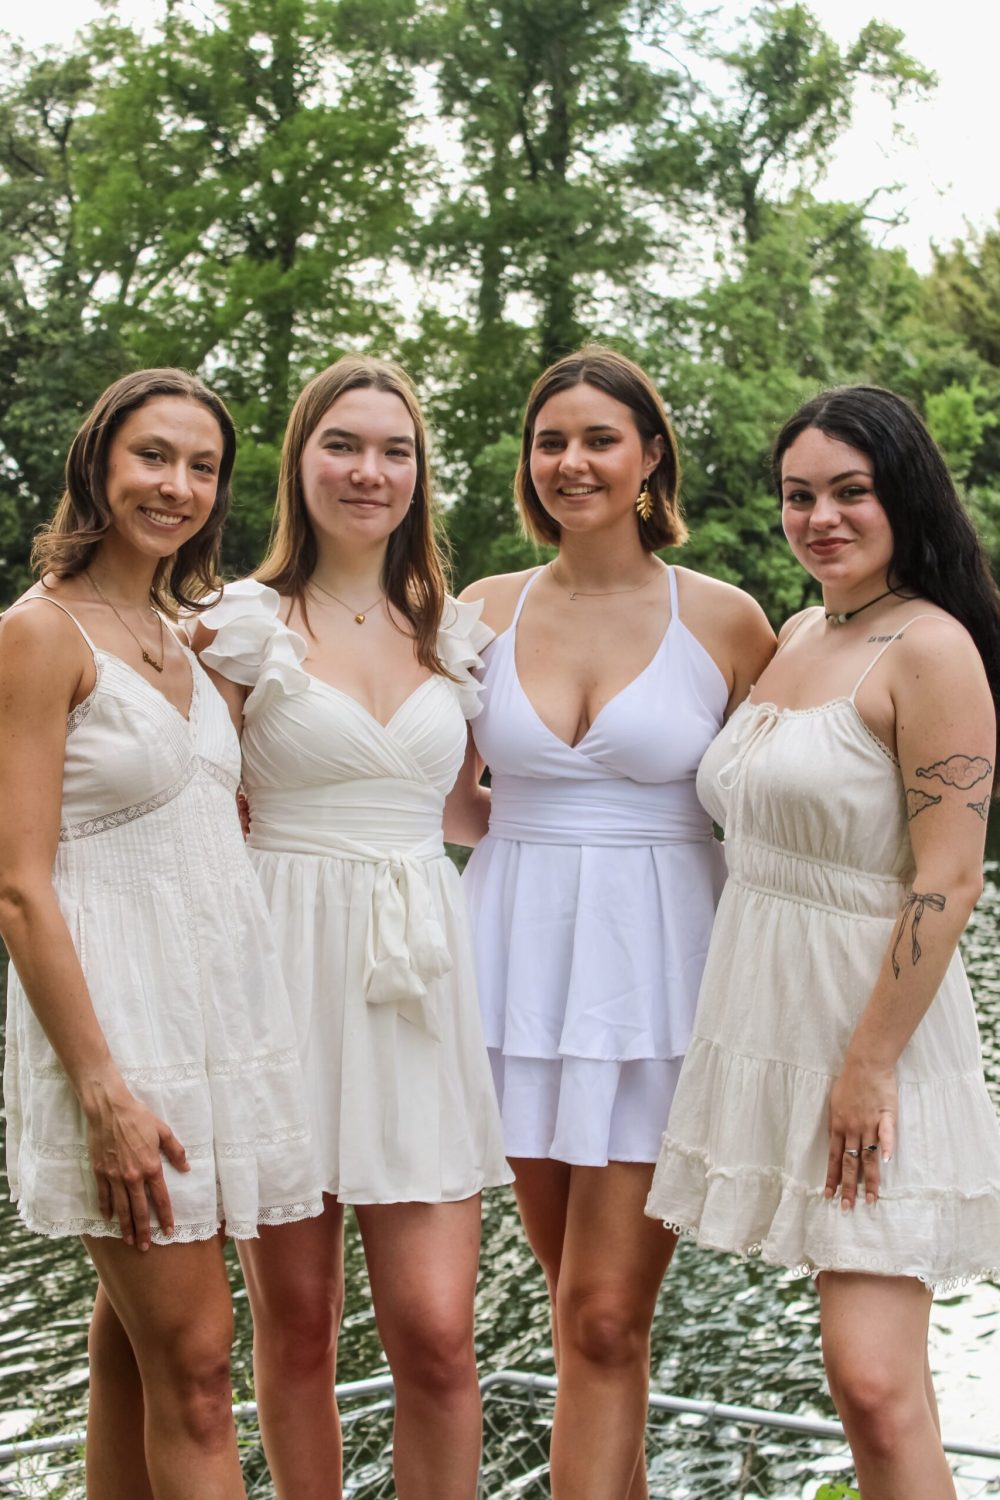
(742, 1333)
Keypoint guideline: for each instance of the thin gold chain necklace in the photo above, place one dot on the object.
(151, 661)
(601, 593)
(359, 615)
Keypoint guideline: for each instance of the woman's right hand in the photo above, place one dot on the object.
(127, 1143)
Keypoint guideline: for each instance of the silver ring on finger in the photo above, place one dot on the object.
(854, 1151)
(872, 1147)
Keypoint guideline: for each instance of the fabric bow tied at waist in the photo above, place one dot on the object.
(406, 946)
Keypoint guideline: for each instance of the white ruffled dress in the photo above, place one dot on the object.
(346, 838)
(820, 869)
(172, 934)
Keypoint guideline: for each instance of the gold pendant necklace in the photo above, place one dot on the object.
(601, 593)
(150, 661)
(359, 615)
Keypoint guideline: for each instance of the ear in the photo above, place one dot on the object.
(651, 455)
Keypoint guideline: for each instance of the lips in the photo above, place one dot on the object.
(829, 546)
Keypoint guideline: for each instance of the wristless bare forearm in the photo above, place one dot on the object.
(924, 937)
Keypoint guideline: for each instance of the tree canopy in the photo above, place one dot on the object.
(473, 187)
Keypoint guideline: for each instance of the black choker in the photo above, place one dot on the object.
(849, 614)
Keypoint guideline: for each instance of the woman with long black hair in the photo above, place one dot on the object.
(832, 1112)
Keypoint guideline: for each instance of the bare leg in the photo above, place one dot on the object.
(604, 1262)
(173, 1303)
(295, 1280)
(422, 1262)
(116, 1449)
(875, 1351)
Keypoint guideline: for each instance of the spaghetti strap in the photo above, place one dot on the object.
(44, 599)
(524, 594)
(675, 612)
(884, 648)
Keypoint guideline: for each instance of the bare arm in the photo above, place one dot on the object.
(41, 663)
(467, 807)
(732, 628)
(946, 742)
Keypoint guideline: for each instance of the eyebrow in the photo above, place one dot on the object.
(342, 432)
(594, 427)
(155, 438)
(847, 474)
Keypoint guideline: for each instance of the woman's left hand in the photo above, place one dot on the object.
(863, 1108)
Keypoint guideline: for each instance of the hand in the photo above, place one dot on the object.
(243, 808)
(863, 1109)
(126, 1141)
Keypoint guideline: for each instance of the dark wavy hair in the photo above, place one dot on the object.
(936, 552)
(622, 379)
(66, 546)
(414, 572)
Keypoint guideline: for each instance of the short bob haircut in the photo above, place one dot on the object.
(66, 546)
(414, 576)
(936, 552)
(622, 379)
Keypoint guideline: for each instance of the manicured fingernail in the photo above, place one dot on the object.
(869, 1197)
(886, 1156)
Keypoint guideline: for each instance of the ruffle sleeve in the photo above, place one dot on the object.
(461, 637)
(252, 645)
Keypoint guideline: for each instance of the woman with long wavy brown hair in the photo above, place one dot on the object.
(349, 668)
(151, 1073)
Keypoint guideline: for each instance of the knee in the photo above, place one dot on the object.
(879, 1411)
(299, 1339)
(438, 1358)
(602, 1328)
(198, 1376)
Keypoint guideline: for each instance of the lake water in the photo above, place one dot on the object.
(729, 1331)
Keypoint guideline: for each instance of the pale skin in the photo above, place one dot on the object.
(928, 701)
(358, 472)
(602, 1259)
(163, 1310)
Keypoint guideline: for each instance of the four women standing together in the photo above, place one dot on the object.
(152, 1009)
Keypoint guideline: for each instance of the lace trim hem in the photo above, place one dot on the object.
(90, 826)
(868, 1265)
(184, 1234)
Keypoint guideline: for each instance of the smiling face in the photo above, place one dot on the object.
(359, 468)
(588, 460)
(832, 517)
(162, 474)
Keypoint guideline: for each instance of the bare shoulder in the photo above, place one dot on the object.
(499, 595)
(935, 653)
(713, 598)
(42, 654)
(792, 624)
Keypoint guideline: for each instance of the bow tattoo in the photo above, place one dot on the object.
(915, 903)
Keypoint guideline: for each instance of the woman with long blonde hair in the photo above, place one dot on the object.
(349, 669)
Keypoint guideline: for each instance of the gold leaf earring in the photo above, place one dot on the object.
(644, 502)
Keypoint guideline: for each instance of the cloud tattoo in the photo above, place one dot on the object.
(963, 771)
(916, 801)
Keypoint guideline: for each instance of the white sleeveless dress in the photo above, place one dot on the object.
(820, 866)
(367, 908)
(592, 900)
(172, 934)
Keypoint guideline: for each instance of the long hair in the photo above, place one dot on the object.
(66, 546)
(619, 377)
(413, 574)
(936, 549)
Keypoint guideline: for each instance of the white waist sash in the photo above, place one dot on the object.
(394, 826)
(553, 810)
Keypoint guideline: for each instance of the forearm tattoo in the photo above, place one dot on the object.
(913, 910)
(962, 772)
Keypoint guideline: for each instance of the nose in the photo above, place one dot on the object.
(176, 483)
(368, 468)
(572, 459)
(825, 513)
